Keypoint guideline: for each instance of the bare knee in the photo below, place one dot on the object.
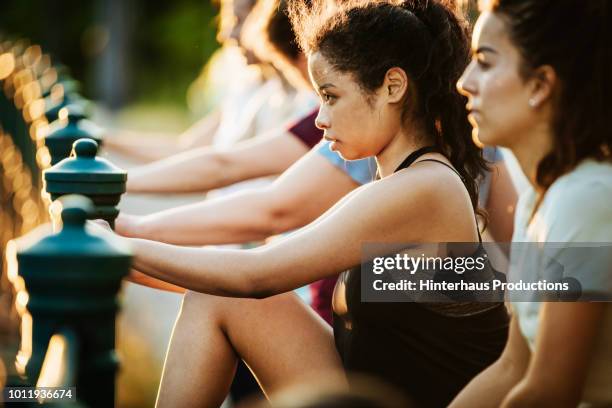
(202, 306)
(199, 305)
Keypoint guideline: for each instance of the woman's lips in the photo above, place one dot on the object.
(474, 113)
(471, 108)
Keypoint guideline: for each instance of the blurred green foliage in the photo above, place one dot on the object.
(178, 39)
(168, 41)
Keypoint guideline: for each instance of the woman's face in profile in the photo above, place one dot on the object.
(358, 124)
(498, 97)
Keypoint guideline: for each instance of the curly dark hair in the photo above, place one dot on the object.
(426, 39)
(573, 37)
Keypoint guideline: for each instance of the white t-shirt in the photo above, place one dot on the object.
(576, 209)
(257, 107)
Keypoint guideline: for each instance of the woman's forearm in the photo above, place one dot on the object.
(564, 351)
(197, 170)
(205, 169)
(201, 133)
(141, 148)
(221, 272)
(238, 218)
(489, 388)
(148, 147)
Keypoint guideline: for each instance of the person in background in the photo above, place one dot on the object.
(267, 154)
(539, 84)
(256, 98)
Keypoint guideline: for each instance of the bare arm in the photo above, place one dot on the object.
(490, 387)
(563, 353)
(301, 194)
(205, 168)
(145, 147)
(501, 203)
(376, 212)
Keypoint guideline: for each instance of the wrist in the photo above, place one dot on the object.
(127, 225)
(133, 184)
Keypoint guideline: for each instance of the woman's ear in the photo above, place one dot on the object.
(395, 85)
(542, 84)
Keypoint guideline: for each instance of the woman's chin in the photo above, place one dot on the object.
(348, 156)
(480, 138)
(346, 153)
(484, 138)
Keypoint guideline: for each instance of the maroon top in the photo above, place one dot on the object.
(321, 293)
(305, 129)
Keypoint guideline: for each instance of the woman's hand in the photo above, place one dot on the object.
(100, 227)
(102, 223)
(103, 228)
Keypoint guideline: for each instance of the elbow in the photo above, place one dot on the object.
(272, 214)
(259, 284)
(248, 286)
(244, 290)
(285, 215)
(225, 169)
(262, 295)
(283, 219)
(258, 289)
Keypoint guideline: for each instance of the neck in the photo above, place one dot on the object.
(398, 149)
(538, 143)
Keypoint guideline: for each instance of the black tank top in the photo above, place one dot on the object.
(428, 351)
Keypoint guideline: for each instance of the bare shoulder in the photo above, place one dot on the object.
(425, 182)
(428, 196)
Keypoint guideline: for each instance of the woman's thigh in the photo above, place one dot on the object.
(281, 339)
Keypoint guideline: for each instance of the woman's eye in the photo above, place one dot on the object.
(327, 97)
(481, 62)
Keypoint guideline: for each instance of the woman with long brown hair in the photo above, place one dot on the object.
(539, 83)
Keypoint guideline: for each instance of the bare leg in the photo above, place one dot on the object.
(280, 338)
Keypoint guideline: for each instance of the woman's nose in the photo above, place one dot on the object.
(322, 120)
(466, 85)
